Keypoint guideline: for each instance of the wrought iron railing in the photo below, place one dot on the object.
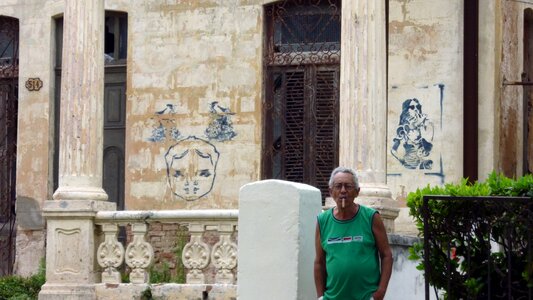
(478, 247)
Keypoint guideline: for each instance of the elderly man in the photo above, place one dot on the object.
(353, 256)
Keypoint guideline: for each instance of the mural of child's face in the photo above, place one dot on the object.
(191, 166)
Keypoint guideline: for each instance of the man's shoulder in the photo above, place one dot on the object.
(367, 210)
(325, 214)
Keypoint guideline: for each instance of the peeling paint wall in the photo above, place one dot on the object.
(193, 67)
(511, 105)
(194, 84)
(425, 101)
(194, 71)
(34, 131)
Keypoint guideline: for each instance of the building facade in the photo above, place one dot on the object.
(194, 99)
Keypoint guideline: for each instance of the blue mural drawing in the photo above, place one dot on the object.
(159, 134)
(191, 167)
(191, 162)
(166, 127)
(221, 127)
(412, 144)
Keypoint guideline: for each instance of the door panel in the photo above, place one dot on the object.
(114, 135)
(9, 61)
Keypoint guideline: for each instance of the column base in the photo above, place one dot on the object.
(379, 197)
(80, 193)
(70, 251)
(67, 292)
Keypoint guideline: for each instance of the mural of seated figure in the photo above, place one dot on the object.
(415, 134)
(191, 167)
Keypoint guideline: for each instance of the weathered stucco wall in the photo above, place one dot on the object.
(511, 127)
(34, 131)
(194, 84)
(489, 90)
(425, 102)
(193, 87)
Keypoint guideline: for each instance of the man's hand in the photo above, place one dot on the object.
(378, 295)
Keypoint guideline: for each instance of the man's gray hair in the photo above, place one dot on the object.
(344, 170)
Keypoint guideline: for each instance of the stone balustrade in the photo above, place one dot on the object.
(197, 255)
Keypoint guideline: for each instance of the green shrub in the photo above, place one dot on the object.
(21, 288)
(460, 253)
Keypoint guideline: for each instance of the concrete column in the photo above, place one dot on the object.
(71, 239)
(363, 103)
(277, 222)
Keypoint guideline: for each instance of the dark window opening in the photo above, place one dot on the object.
(116, 35)
(303, 32)
(307, 28)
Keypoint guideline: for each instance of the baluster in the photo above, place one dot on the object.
(224, 255)
(110, 254)
(139, 254)
(195, 255)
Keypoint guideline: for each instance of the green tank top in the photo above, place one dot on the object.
(352, 261)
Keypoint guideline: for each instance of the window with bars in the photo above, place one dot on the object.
(302, 92)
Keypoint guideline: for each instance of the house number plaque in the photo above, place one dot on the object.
(34, 84)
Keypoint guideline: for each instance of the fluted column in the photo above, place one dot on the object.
(81, 129)
(71, 237)
(363, 102)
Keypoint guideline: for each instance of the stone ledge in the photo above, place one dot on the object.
(167, 291)
(403, 240)
(75, 207)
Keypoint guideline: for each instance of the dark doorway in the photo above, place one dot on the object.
(9, 43)
(302, 64)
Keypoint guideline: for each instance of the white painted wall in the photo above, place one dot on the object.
(277, 221)
(406, 281)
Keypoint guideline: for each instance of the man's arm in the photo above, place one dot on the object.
(385, 254)
(320, 265)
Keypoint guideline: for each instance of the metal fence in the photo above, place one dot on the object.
(478, 247)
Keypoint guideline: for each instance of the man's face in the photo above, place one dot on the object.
(343, 189)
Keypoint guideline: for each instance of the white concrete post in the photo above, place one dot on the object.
(277, 222)
(363, 103)
(71, 246)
